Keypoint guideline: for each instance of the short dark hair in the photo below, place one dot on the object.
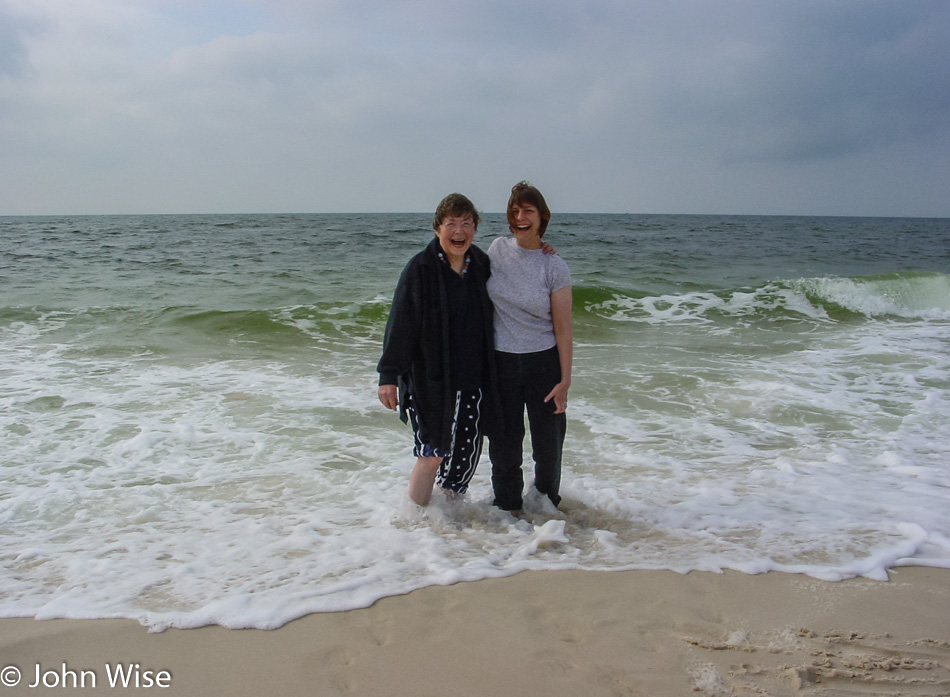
(454, 206)
(522, 193)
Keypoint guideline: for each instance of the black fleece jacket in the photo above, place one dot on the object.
(416, 350)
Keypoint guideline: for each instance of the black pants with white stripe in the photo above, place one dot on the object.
(459, 463)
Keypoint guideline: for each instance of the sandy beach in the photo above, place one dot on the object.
(566, 633)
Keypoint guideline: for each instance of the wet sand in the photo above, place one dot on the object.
(558, 634)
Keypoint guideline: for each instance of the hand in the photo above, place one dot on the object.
(388, 396)
(559, 395)
(548, 248)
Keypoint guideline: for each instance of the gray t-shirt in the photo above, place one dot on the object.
(520, 287)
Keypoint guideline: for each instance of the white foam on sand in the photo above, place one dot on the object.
(247, 493)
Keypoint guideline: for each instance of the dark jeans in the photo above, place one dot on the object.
(524, 380)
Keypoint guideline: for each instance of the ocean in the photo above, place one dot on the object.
(190, 431)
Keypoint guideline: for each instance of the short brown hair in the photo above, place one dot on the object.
(454, 206)
(522, 193)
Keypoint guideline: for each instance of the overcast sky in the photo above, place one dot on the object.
(803, 107)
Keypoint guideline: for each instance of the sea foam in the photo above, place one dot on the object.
(183, 456)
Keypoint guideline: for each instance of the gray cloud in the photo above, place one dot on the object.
(14, 31)
(734, 106)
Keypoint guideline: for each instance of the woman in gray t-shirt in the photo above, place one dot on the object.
(534, 350)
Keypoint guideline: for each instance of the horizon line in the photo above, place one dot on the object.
(554, 215)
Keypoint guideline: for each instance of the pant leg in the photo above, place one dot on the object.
(547, 428)
(420, 449)
(506, 449)
(457, 470)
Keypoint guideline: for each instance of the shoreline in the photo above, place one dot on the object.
(557, 633)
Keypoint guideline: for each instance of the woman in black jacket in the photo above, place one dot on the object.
(437, 364)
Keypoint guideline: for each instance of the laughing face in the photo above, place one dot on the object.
(525, 223)
(455, 234)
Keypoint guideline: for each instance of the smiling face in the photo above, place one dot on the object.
(528, 215)
(524, 220)
(455, 234)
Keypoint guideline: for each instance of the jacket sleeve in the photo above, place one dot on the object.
(401, 340)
